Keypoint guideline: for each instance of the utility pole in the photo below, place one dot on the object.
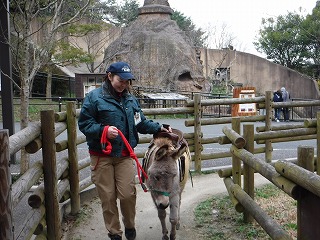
(5, 68)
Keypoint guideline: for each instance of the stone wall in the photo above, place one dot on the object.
(264, 75)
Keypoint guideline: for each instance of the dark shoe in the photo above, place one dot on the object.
(130, 233)
(114, 237)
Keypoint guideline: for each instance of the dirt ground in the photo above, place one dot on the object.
(148, 226)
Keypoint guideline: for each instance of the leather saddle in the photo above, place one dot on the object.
(176, 136)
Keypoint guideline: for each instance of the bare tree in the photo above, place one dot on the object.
(36, 27)
(219, 37)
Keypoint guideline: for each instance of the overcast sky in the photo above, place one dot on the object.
(242, 17)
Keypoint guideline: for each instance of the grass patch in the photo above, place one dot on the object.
(216, 218)
(35, 107)
(14, 178)
(84, 214)
(170, 116)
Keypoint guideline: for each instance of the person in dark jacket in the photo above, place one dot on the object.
(286, 98)
(277, 97)
(104, 112)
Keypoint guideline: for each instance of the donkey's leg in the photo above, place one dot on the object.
(162, 216)
(174, 215)
(178, 222)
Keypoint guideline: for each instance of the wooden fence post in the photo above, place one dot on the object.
(236, 162)
(197, 132)
(50, 175)
(318, 143)
(268, 121)
(248, 172)
(308, 209)
(6, 225)
(73, 157)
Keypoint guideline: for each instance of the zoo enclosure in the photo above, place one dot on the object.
(63, 187)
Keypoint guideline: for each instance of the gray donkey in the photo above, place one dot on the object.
(167, 164)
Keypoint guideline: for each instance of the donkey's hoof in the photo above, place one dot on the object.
(178, 226)
(172, 237)
(165, 237)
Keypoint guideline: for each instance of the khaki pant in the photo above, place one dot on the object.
(114, 178)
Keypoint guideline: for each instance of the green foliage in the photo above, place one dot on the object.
(267, 191)
(185, 23)
(293, 226)
(128, 12)
(203, 212)
(32, 109)
(14, 178)
(120, 15)
(35, 107)
(216, 218)
(310, 35)
(280, 40)
(70, 55)
(219, 89)
(197, 35)
(292, 40)
(83, 29)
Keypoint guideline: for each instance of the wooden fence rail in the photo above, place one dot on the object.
(298, 180)
(56, 183)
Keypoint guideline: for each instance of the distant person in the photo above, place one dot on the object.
(277, 97)
(286, 98)
(106, 111)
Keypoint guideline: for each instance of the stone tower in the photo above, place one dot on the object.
(161, 56)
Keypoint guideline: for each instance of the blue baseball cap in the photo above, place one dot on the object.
(122, 69)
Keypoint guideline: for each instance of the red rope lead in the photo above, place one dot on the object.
(105, 144)
(107, 147)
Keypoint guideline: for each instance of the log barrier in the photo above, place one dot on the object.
(56, 180)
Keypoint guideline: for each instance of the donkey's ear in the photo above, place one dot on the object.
(178, 152)
(162, 152)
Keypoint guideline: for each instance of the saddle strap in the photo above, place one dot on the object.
(182, 167)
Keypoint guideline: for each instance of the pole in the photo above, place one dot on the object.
(6, 216)
(5, 67)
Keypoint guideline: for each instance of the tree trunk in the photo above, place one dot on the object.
(49, 84)
(24, 103)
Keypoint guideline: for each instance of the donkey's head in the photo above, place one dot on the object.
(163, 172)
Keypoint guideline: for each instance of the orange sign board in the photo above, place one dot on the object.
(244, 109)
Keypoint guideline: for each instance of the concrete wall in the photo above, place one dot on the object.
(251, 70)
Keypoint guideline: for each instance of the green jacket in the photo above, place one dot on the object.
(101, 109)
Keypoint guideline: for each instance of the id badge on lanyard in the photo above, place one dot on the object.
(137, 118)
